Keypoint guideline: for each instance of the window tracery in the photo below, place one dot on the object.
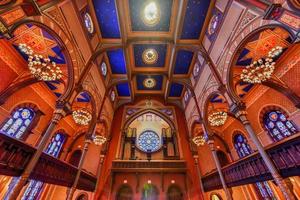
(278, 126)
(149, 141)
(18, 123)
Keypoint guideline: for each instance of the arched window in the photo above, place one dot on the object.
(18, 123)
(222, 158)
(35, 187)
(241, 145)
(82, 197)
(124, 193)
(278, 125)
(150, 192)
(75, 157)
(243, 149)
(174, 193)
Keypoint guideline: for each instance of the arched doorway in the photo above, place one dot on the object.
(174, 193)
(150, 192)
(75, 157)
(124, 193)
(222, 158)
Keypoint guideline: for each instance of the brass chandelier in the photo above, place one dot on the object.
(217, 118)
(262, 69)
(40, 67)
(82, 116)
(199, 140)
(99, 140)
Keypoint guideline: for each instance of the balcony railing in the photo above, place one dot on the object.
(15, 155)
(149, 166)
(285, 155)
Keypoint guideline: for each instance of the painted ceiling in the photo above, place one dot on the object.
(149, 45)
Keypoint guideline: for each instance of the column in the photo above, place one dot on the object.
(87, 142)
(217, 162)
(199, 176)
(99, 171)
(241, 115)
(57, 115)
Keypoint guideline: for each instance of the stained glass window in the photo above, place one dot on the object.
(278, 125)
(243, 149)
(35, 187)
(149, 141)
(19, 121)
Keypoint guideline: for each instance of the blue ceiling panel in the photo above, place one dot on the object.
(161, 50)
(176, 90)
(117, 61)
(194, 18)
(183, 62)
(123, 89)
(217, 99)
(140, 80)
(136, 6)
(84, 97)
(106, 13)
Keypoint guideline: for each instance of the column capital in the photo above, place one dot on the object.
(238, 108)
(211, 144)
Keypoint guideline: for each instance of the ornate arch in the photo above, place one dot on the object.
(62, 40)
(147, 110)
(236, 48)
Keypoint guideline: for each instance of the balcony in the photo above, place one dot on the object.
(15, 155)
(285, 155)
(149, 166)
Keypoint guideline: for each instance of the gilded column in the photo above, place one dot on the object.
(99, 171)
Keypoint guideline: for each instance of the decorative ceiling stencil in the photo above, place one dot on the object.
(106, 13)
(117, 61)
(137, 9)
(139, 50)
(194, 18)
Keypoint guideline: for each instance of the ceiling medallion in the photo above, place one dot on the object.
(151, 14)
(149, 83)
(150, 56)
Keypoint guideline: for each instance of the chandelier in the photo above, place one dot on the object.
(40, 67)
(262, 69)
(81, 116)
(199, 140)
(217, 118)
(99, 140)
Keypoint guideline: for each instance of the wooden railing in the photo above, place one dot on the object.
(285, 155)
(152, 166)
(15, 155)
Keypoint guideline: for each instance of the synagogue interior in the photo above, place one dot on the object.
(149, 99)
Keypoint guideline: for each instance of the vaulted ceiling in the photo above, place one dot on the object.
(155, 41)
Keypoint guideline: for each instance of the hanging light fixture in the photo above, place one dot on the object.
(82, 116)
(40, 67)
(199, 140)
(217, 118)
(262, 69)
(99, 140)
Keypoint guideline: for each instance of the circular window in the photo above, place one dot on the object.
(213, 24)
(103, 69)
(148, 141)
(88, 23)
(112, 95)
